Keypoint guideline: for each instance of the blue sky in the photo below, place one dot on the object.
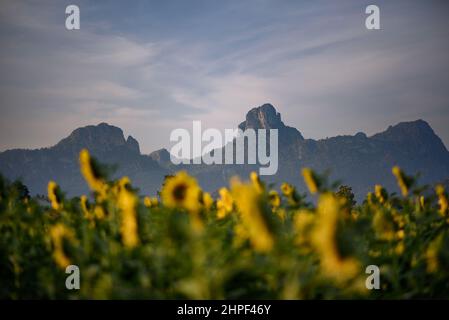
(153, 66)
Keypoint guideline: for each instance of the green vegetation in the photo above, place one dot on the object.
(251, 242)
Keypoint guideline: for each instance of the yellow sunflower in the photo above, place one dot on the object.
(224, 204)
(207, 200)
(274, 199)
(256, 182)
(287, 189)
(127, 203)
(91, 174)
(247, 199)
(324, 237)
(310, 180)
(58, 233)
(181, 191)
(54, 195)
(150, 202)
(380, 193)
(401, 179)
(442, 200)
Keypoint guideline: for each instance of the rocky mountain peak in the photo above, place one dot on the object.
(161, 156)
(132, 144)
(266, 117)
(263, 117)
(102, 137)
(406, 130)
(417, 132)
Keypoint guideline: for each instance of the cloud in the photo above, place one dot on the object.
(150, 71)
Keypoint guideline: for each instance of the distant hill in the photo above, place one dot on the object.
(359, 161)
(60, 162)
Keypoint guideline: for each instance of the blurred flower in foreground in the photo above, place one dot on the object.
(207, 200)
(127, 202)
(181, 191)
(248, 202)
(404, 182)
(290, 194)
(150, 202)
(91, 173)
(380, 193)
(224, 204)
(85, 207)
(58, 233)
(325, 239)
(442, 200)
(274, 199)
(54, 195)
(256, 182)
(287, 189)
(310, 180)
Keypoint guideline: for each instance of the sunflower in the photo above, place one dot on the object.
(287, 189)
(84, 206)
(224, 204)
(58, 233)
(99, 212)
(91, 173)
(247, 199)
(442, 199)
(310, 180)
(402, 180)
(207, 200)
(150, 202)
(54, 195)
(181, 191)
(380, 193)
(274, 199)
(127, 202)
(256, 182)
(370, 198)
(324, 238)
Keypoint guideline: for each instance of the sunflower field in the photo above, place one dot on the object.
(250, 241)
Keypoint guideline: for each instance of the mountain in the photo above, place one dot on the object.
(359, 161)
(60, 162)
(266, 117)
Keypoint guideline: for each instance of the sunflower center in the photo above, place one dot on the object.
(179, 192)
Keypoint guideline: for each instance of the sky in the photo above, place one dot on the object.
(150, 67)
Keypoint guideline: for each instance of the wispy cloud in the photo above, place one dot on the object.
(149, 71)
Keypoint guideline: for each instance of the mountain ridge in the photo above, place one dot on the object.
(358, 160)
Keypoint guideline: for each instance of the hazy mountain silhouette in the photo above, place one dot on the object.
(359, 161)
(60, 162)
